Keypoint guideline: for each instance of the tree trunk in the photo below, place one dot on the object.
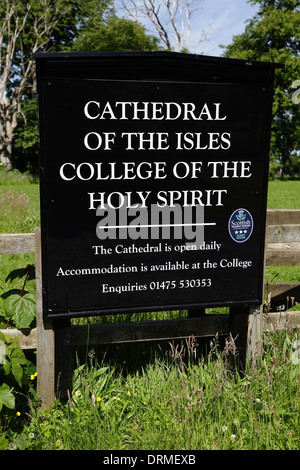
(16, 69)
(8, 124)
(5, 159)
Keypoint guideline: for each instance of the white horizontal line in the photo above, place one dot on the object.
(155, 225)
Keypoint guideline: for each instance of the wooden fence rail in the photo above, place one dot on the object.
(283, 249)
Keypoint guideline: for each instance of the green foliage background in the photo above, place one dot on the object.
(273, 35)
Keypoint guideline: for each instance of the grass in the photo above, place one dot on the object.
(163, 396)
(19, 203)
(177, 400)
(284, 194)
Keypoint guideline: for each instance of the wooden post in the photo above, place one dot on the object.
(238, 334)
(63, 362)
(245, 330)
(254, 334)
(194, 313)
(45, 337)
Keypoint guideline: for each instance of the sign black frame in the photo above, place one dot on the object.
(162, 71)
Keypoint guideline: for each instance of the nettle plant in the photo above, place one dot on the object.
(12, 367)
(16, 374)
(19, 305)
(18, 310)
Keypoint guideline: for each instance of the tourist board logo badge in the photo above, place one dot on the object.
(240, 225)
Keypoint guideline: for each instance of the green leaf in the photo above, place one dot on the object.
(3, 337)
(21, 441)
(3, 443)
(14, 359)
(7, 366)
(17, 371)
(28, 273)
(17, 358)
(6, 397)
(21, 308)
(16, 274)
(10, 292)
(17, 355)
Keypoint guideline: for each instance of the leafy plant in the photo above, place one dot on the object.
(15, 371)
(12, 363)
(19, 304)
(6, 397)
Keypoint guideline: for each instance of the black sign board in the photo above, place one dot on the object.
(154, 174)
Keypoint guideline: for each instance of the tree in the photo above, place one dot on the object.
(273, 35)
(44, 25)
(115, 34)
(171, 19)
(25, 145)
(25, 28)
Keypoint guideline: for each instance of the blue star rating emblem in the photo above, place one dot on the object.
(240, 225)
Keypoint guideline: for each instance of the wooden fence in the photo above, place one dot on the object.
(282, 249)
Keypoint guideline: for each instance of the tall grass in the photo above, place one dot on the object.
(284, 194)
(178, 400)
(19, 203)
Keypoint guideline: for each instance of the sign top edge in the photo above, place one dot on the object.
(155, 54)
